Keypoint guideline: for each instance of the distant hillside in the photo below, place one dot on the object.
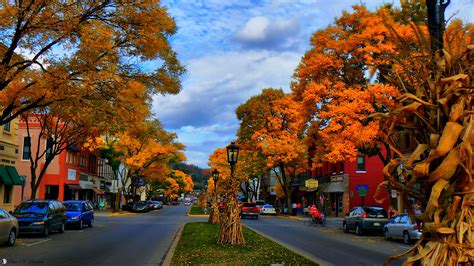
(198, 174)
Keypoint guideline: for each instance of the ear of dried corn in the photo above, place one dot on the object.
(441, 166)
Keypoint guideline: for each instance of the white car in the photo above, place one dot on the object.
(267, 209)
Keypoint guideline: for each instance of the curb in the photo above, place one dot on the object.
(294, 249)
(170, 253)
(121, 214)
(290, 217)
(197, 215)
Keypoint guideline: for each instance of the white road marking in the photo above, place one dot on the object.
(39, 242)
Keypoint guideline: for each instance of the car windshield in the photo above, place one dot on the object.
(376, 212)
(75, 207)
(249, 204)
(32, 207)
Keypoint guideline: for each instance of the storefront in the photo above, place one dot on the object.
(336, 195)
(71, 191)
(8, 179)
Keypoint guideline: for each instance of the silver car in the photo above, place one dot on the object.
(8, 228)
(401, 227)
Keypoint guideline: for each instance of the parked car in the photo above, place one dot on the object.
(401, 227)
(40, 216)
(249, 209)
(158, 205)
(268, 209)
(365, 219)
(151, 205)
(78, 213)
(140, 206)
(128, 207)
(8, 228)
(155, 205)
(259, 204)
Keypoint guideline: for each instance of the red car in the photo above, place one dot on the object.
(249, 209)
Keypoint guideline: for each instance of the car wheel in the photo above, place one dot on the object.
(11, 238)
(386, 233)
(91, 221)
(45, 230)
(358, 230)
(345, 228)
(80, 225)
(406, 238)
(61, 228)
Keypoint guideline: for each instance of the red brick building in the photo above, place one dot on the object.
(343, 184)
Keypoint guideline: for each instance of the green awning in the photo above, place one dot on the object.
(15, 177)
(4, 176)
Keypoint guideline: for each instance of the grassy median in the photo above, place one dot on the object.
(198, 245)
(196, 210)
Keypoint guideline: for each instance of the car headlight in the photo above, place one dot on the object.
(38, 223)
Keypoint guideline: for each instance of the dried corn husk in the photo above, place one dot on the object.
(449, 137)
(447, 168)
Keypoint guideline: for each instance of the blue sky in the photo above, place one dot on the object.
(234, 49)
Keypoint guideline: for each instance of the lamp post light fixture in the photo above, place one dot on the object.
(215, 177)
(232, 153)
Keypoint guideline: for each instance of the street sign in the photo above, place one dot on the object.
(311, 183)
(366, 187)
(362, 192)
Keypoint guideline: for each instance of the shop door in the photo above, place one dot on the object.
(52, 192)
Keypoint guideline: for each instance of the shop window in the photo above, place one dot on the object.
(49, 147)
(360, 163)
(7, 191)
(342, 167)
(7, 126)
(334, 168)
(26, 148)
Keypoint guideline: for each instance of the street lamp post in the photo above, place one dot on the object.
(230, 231)
(214, 215)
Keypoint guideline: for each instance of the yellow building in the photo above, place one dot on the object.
(8, 157)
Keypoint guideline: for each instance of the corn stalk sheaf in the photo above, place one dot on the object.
(230, 228)
(439, 171)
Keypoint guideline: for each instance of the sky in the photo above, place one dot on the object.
(234, 49)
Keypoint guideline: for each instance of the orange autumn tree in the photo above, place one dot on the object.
(349, 72)
(52, 51)
(171, 188)
(253, 170)
(282, 142)
(332, 84)
(144, 149)
(253, 116)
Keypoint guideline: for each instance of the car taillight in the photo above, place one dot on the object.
(417, 227)
(364, 215)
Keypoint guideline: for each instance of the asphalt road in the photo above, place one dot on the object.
(328, 245)
(141, 239)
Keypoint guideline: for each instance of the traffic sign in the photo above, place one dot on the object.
(366, 187)
(362, 192)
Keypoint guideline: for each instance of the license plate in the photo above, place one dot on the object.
(376, 224)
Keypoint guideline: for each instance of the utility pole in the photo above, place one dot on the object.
(436, 21)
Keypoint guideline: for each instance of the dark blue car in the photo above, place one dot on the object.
(79, 213)
(40, 216)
